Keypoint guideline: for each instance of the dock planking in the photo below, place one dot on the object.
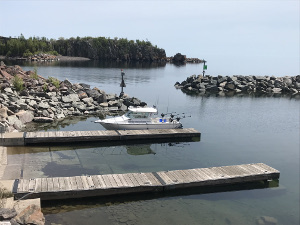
(107, 135)
(111, 184)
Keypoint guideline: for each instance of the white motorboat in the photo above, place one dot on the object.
(138, 118)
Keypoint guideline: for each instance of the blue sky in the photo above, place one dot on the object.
(235, 37)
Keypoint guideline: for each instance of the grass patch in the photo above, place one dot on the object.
(54, 81)
(18, 83)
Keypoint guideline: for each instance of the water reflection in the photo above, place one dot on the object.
(89, 64)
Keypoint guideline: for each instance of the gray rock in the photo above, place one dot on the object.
(45, 113)
(43, 105)
(288, 81)
(87, 100)
(8, 90)
(277, 90)
(230, 86)
(104, 104)
(114, 103)
(32, 103)
(80, 106)
(110, 97)
(15, 122)
(123, 107)
(60, 116)
(212, 88)
(84, 86)
(25, 116)
(6, 214)
(70, 98)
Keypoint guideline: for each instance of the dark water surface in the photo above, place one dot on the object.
(235, 130)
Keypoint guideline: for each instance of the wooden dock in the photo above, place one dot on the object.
(111, 184)
(54, 137)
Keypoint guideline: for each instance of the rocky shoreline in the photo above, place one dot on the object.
(49, 100)
(241, 85)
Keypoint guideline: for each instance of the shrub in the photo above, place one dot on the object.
(34, 74)
(18, 83)
(45, 87)
(54, 81)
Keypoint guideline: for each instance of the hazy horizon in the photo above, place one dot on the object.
(235, 37)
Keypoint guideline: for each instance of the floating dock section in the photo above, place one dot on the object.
(111, 184)
(54, 137)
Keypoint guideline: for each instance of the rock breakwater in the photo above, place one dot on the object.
(242, 85)
(46, 100)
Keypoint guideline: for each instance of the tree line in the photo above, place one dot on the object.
(99, 48)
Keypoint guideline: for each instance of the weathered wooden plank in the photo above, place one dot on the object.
(73, 183)
(117, 180)
(189, 175)
(90, 182)
(96, 181)
(79, 183)
(265, 167)
(198, 175)
(25, 185)
(138, 179)
(165, 178)
(55, 184)
(172, 176)
(38, 185)
(112, 180)
(127, 179)
(50, 184)
(102, 182)
(145, 179)
(85, 183)
(68, 185)
(44, 184)
(107, 181)
(122, 179)
(61, 183)
(153, 180)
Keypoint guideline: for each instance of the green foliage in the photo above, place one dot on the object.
(45, 87)
(96, 48)
(27, 53)
(54, 81)
(18, 83)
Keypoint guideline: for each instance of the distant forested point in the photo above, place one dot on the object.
(98, 48)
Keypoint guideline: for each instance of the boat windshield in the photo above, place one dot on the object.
(135, 115)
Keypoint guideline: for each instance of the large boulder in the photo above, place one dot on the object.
(179, 58)
(25, 116)
(31, 215)
(15, 122)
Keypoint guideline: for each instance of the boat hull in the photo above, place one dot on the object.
(147, 126)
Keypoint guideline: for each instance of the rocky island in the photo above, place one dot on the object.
(26, 97)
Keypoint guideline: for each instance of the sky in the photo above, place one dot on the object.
(245, 37)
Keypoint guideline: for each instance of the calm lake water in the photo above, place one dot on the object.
(235, 130)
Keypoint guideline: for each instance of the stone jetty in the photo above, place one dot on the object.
(243, 85)
(46, 100)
